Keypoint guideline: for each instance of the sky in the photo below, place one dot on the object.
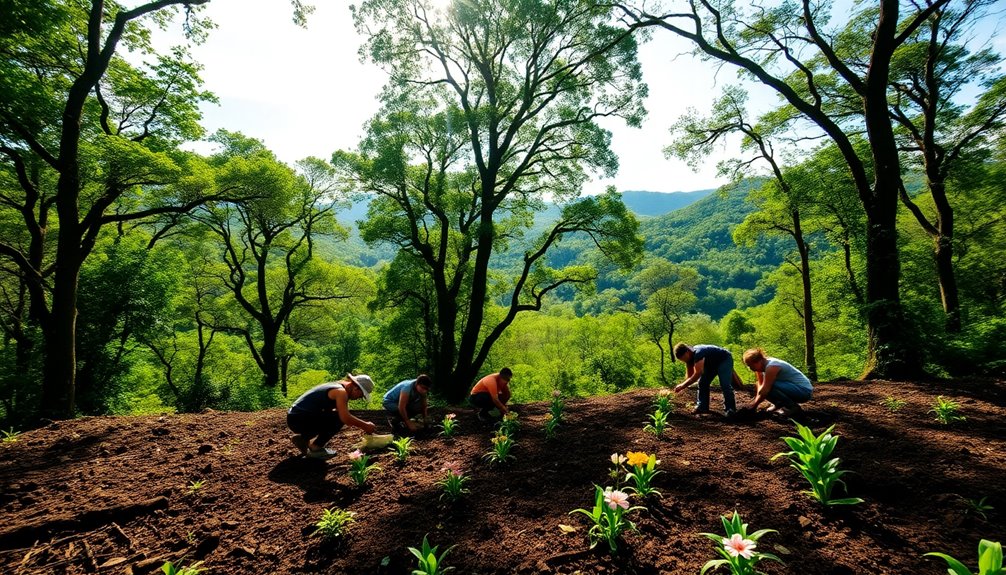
(305, 92)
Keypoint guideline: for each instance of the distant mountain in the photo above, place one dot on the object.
(650, 204)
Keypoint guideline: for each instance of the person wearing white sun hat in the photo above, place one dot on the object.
(320, 412)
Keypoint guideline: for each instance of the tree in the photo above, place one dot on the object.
(669, 292)
(787, 48)
(514, 90)
(779, 201)
(266, 244)
(80, 129)
(929, 73)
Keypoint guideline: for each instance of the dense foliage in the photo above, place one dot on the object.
(455, 239)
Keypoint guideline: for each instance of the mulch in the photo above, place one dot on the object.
(112, 494)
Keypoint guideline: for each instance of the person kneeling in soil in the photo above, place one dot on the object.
(702, 364)
(321, 411)
(492, 391)
(778, 382)
(406, 400)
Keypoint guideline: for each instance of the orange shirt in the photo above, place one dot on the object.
(490, 384)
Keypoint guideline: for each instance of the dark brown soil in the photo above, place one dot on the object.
(110, 494)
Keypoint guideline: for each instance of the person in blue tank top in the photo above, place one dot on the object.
(702, 364)
(320, 412)
(406, 400)
(778, 382)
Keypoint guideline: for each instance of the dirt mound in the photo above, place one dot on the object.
(112, 495)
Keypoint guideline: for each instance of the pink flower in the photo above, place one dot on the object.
(355, 455)
(450, 416)
(452, 467)
(556, 393)
(615, 499)
(737, 545)
(617, 458)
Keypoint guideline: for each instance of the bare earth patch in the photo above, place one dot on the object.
(112, 494)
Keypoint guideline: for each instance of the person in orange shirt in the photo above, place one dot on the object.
(492, 391)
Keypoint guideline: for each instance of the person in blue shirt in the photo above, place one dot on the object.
(406, 400)
(785, 386)
(702, 364)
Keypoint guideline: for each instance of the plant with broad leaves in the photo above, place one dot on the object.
(401, 448)
(509, 424)
(608, 515)
(453, 482)
(664, 401)
(737, 548)
(555, 408)
(946, 411)
(170, 568)
(449, 424)
(334, 523)
(811, 455)
(360, 466)
(500, 453)
(658, 422)
(892, 404)
(644, 469)
(429, 562)
(990, 560)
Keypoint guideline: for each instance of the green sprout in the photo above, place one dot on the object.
(429, 562)
(947, 411)
(401, 448)
(334, 523)
(810, 455)
(892, 404)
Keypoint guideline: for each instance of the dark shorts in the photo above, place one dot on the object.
(482, 400)
(322, 425)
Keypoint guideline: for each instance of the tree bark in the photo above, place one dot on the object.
(810, 354)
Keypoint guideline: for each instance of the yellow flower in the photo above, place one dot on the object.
(637, 458)
(500, 439)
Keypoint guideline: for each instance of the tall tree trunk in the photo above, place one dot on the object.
(889, 354)
(948, 282)
(810, 355)
(59, 335)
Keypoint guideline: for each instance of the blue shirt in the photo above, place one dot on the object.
(713, 355)
(788, 373)
(390, 401)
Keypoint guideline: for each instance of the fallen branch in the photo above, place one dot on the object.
(86, 521)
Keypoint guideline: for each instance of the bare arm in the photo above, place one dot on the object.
(765, 381)
(694, 372)
(342, 406)
(403, 411)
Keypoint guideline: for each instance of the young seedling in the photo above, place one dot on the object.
(658, 422)
(360, 467)
(892, 404)
(947, 411)
(334, 523)
(9, 436)
(990, 560)
(509, 424)
(449, 423)
(737, 548)
(429, 562)
(608, 516)
(551, 424)
(979, 507)
(453, 482)
(195, 486)
(811, 455)
(401, 448)
(555, 408)
(500, 453)
(644, 469)
(664, 401)
(170, 568)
